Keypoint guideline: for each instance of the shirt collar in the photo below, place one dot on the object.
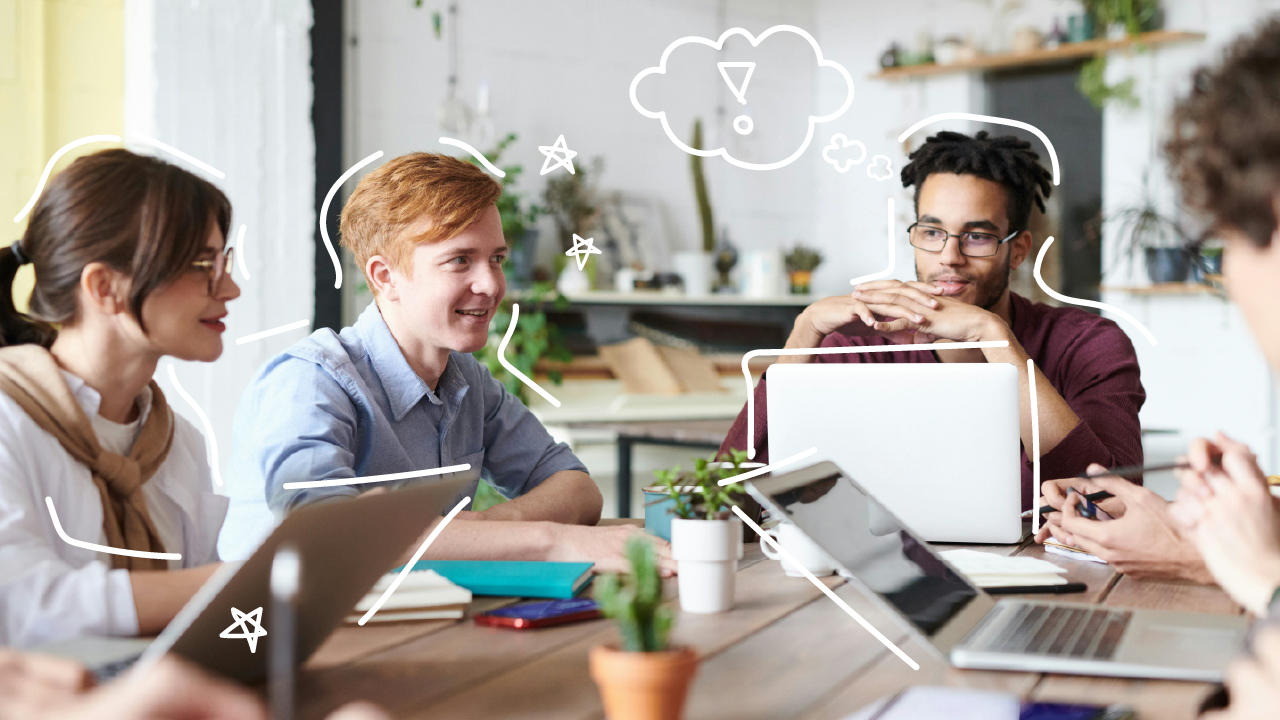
(90, 400)
(404, 388)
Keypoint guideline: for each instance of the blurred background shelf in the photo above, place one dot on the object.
(1063, 53)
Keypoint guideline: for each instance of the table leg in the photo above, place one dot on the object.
(624, 476)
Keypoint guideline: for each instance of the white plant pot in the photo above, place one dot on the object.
(706, 552)
(694, 268)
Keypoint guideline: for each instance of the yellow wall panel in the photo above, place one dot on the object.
(61, 78)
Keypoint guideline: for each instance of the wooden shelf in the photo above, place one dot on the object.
(655, 297)
(1062, 53)
(1182, 288)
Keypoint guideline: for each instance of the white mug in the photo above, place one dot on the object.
(798, 545)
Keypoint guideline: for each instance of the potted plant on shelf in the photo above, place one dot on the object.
(694, 266)
(706, 537)
(517, 218)
(1160, 238)
(574, 201)
(801, 262)
(644, 678)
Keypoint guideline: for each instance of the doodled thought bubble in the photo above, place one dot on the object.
(740, 90)
(874, 172)
(840, 148)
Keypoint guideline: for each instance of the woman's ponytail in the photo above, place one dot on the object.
(15, 327)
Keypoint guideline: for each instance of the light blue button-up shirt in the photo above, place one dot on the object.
(348, 405)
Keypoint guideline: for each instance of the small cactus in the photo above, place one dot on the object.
(634, 601)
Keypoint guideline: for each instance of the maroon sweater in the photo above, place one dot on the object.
(1088, 360)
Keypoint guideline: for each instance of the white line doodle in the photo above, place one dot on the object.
(175, 151)
(739, 91)
(48, 168)
(661, 115)
(57, 526)
(889, 270)
(751, 395)
(244, 271)
(1078, 301)
(582, 250)
(766, 538)
(874, 174)
(1053, 155)
(376, 478)
(272, 331)
(204, 421)
(414, 560)
(839, 141)
(242, 622)
(324, 214)
(475, 154)
(560, 153)
(767, 468)
(502, 358)
(1035, 441)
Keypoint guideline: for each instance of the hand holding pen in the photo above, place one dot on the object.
(1130, 471)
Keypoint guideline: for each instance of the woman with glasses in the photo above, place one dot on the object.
(108, 519)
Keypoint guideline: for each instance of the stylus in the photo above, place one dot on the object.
(1029, 589)
(286, 577)
(1124, 472)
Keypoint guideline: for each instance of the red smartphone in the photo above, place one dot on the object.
(545, 613)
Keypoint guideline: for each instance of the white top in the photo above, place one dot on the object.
(50, 590)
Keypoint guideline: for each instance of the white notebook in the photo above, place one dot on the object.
(424, 595)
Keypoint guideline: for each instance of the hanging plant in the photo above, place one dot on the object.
(1135, 16)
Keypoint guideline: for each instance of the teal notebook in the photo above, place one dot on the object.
(513, 578)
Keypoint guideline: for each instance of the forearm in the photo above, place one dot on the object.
(569, 497)
(465, 539)
(1056, 418)
(158, 595)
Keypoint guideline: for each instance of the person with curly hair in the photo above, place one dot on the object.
(973, 201)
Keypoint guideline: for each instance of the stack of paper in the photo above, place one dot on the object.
(424, 595)
(1055, 546)
(991, 570)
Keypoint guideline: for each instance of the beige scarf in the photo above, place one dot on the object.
(30, 375)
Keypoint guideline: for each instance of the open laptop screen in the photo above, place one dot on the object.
(860, 535)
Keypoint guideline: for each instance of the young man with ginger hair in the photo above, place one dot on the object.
(399, 391)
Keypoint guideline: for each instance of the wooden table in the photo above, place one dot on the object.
(784, 651)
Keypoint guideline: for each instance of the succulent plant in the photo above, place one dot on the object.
(634, 600)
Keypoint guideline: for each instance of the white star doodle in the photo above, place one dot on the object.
(582, 250)
(243, 621)
(553, 152)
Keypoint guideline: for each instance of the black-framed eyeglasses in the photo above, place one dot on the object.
(972, 244)
(215, 269)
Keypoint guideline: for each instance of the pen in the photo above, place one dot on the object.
(1124, 472)
(1027, 589)
(285, 584)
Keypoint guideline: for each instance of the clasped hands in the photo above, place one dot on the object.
(904, 312)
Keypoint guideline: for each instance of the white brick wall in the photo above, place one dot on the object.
(229, 83)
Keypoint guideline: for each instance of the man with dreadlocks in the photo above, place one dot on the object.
(973, 198)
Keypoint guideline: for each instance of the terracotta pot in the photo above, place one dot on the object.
(643, 686)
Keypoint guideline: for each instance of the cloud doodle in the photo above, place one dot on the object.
(839, 143)
(741, 89)
(875, 174)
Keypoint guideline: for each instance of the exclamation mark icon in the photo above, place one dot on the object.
(742, 124)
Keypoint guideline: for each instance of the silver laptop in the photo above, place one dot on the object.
(898, 571)
(939, 445)
(344, 546)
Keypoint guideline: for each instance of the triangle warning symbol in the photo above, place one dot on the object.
(739, 91)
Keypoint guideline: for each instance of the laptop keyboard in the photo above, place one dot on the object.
(1055, 630)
